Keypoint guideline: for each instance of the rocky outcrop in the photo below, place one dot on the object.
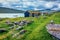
(54, 29)
(2, 30)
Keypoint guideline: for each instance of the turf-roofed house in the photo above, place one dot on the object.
(34, 13)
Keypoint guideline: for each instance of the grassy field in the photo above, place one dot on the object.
(35, 31)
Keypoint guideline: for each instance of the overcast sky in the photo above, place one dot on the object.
(31, 4)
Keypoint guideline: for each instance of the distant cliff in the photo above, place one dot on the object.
(9, 10)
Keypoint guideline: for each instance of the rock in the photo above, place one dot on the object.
(9, 23)
(11, 27)
(54, 30)
(2, 30)
(14, 35)
(16, 23)
(19, 28)
(22, 23)
(51, 22)
(25, 22)
(29, 22)
(22, 31)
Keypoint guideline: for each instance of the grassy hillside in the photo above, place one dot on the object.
(36, 30)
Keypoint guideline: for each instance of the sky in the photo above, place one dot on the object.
(31, 4)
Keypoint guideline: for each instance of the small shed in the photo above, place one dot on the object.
(32, 13)
(27, 14)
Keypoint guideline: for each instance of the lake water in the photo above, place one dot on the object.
(11, 15)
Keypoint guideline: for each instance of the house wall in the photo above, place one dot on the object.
(26, 14)
(33, 14)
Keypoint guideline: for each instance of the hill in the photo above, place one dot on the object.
(36, 31)
(9, 10)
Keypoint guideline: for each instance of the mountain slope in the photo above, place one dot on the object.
(9, 10)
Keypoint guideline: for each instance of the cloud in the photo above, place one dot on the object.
(49, 5)
(2, 1)
(31, 4)
(52, 0)
(37, 9)
(58, 5)
(0, 4)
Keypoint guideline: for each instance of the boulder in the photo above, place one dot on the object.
(11, 27)
(54, 30)
(29, 22)
(16, 23)
(52, 22)
(23, 31)
(15, 35)
(21, 23)
(19, 28)
(2, 30)
(9, 23)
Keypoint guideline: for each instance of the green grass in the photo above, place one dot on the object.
(37, 33)
(36, 30)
